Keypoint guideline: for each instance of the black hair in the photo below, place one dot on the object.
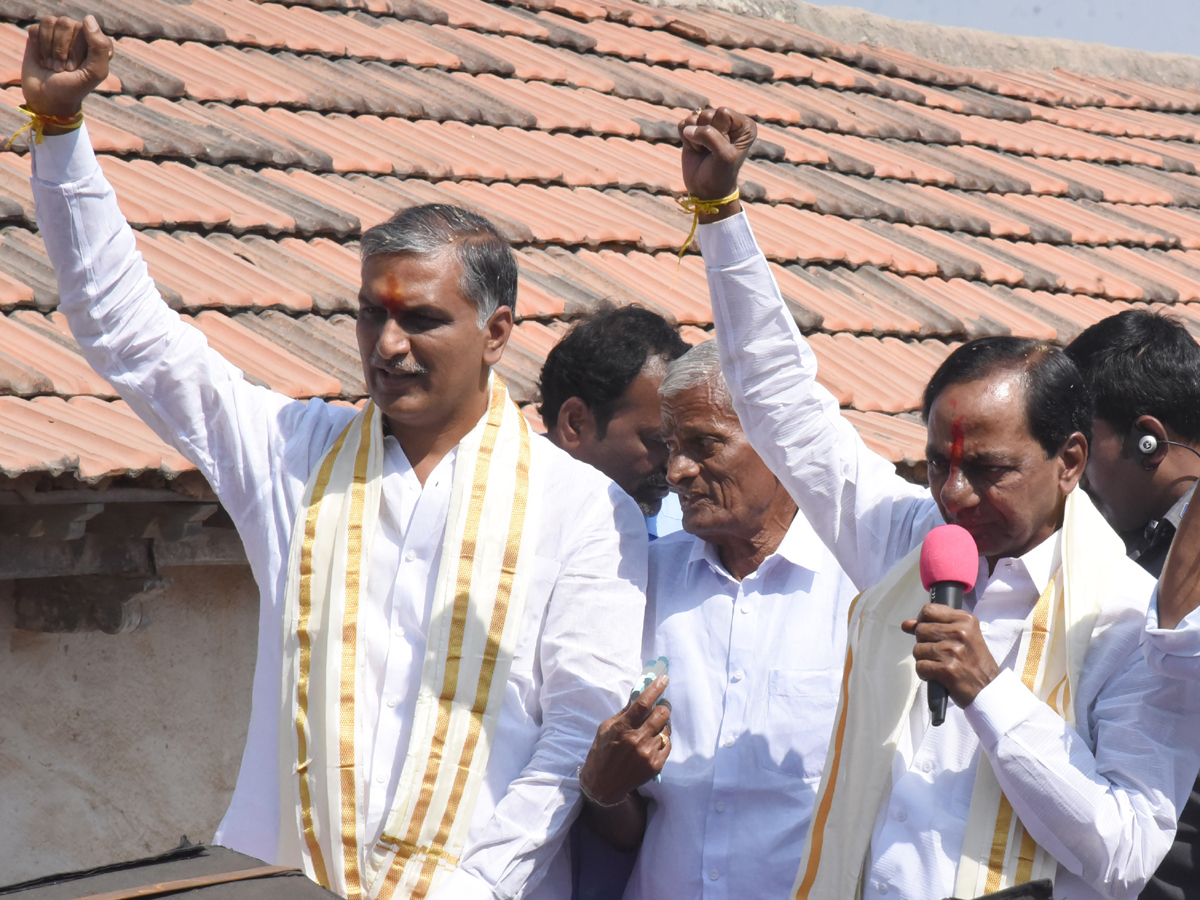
(1057, 400)
(1141, 363)
(489, 269)
(600, 357)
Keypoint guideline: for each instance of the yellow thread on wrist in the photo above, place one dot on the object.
(37, 124)
(696, 206)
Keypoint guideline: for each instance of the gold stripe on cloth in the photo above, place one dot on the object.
(349, 666)
(488, 668)
(1025, 857)
(305, 592)
(1004, 818)
(822, 813)
(462, 596)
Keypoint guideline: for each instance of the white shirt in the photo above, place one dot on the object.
(755, 673)
(668, 519)
(1173, 651)
(579, 637)
(1102, 800)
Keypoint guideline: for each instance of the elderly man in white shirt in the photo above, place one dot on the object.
(384, 542)
(749, 608)
(1099, 799)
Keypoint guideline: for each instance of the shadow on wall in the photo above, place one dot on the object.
(112, 746)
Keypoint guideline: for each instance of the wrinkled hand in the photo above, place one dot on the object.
(64, 61)
(628, 751)
(715, 144)
(951, 651)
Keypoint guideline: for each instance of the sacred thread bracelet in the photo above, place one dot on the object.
(696, 206)
(37, 124)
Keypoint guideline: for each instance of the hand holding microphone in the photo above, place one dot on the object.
(951, 653)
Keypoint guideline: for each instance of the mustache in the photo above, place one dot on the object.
(658, 481)
(404, 366)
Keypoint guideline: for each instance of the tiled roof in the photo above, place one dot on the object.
(905, 205)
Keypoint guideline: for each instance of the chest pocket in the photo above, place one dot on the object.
(795, 720)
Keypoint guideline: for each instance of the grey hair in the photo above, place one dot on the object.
(489, 268)
(699, 367)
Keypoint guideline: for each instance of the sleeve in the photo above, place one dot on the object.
(185, 391)
(860, 507)
(1174, 652)
(591, 639)
(1107, 816)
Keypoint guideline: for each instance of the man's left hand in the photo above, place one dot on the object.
(951, 651)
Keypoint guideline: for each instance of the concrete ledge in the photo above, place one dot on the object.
(966, 46)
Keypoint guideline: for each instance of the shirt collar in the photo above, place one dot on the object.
(800, 546)
(1042, 562)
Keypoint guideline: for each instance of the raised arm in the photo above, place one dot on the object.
(1173, 626)
(164, 368)
(865, 512)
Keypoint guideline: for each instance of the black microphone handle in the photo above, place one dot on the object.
(946, 593)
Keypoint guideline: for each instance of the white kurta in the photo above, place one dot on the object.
(755, 674)
(579, 639)
(1173, 651)
(1102, 801)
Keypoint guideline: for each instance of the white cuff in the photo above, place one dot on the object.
(727, 242)
(462, 885)
(63, 158)
(1000, 707)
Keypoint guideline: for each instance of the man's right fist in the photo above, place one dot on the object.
(715, 144)
(64, 61)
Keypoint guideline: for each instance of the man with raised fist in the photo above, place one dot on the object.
(449, 604)
(1063, 758)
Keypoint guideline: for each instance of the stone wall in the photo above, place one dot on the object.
(112, 747)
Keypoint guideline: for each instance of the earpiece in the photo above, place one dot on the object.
(1146, 445)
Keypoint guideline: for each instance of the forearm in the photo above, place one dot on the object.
(1108, 816)
(854, 499)
(622, 826)
(161, 366)
(1179, 587)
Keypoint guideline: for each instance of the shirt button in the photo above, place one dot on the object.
(720, 807)
(983, 627)
(391, 702)
(883, 888)
(927, 766)
(398, 631)
(714, 874)
(738, 675)
(901, 816)
(728, 742)
(745, 608)
(379, 779)
(410, 555)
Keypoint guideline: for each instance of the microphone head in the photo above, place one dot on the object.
(949, 554)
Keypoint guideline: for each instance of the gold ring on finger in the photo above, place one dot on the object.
(665, 738)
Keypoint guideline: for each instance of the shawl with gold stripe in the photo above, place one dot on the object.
(880, 686)
(477, 605)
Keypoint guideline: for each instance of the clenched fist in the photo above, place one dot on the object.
(64, 61)
(715, 144)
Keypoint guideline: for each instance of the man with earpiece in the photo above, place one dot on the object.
(1144, 372)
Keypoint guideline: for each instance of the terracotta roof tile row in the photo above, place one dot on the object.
(905, 205)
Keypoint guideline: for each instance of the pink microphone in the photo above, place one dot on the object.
(949, 565)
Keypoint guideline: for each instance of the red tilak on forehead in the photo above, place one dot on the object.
(956, 442)
(392, 297)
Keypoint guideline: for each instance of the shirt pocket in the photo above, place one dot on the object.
(796, 720)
